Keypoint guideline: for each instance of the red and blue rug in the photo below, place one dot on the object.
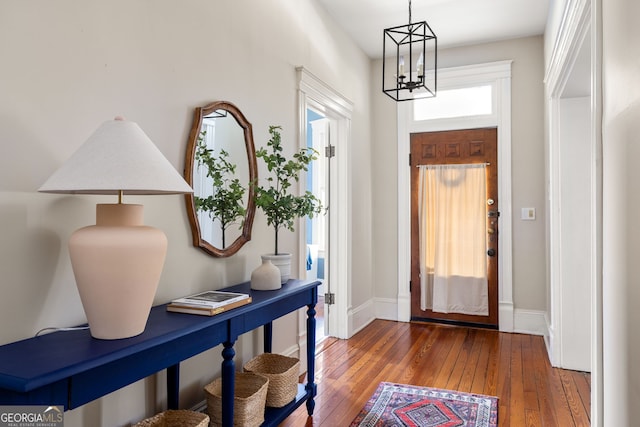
(401, 405)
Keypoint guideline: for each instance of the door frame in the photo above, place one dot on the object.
(581, 26)
(314, 93)
(498, 75)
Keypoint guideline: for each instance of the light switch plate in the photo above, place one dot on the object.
(528, 214)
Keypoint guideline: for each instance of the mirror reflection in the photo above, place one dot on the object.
(220, 164)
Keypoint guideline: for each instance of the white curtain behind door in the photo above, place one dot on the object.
(452, 228)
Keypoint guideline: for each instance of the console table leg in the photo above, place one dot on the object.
(228, 384)
(268, 337)
(311, 387)
(173, 382)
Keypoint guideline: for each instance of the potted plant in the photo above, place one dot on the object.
(276, 198)
(225, 203)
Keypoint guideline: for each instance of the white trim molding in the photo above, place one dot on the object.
(313, 92)
(581, 25)
(572, 34)
(498, 74)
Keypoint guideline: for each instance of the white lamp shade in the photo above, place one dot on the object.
(118, 156)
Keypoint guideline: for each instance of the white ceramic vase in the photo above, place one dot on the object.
(283, 262)
(266, 277)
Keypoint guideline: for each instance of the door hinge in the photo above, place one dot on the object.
(330, 151)
(410, 285)
(329, 298)
(409, 159)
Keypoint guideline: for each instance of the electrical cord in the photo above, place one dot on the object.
(54, 329)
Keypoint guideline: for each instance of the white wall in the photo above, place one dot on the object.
(527, 165)
(70, 65)
(621, 209)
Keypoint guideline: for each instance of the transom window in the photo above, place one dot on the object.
(461, 102)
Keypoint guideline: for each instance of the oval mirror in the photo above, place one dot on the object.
(220, 164)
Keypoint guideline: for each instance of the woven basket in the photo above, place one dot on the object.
(176, 418)
(248, 403)
(282, 372)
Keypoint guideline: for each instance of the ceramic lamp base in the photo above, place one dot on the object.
(117, 264)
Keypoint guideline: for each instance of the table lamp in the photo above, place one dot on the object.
(117, 263)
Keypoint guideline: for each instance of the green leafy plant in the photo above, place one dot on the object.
(226, 202)
(275, 198)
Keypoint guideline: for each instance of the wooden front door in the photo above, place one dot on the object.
(457, 147)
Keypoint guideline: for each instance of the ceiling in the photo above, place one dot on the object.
(455, 22)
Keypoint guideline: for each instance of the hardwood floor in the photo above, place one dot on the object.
(513, 367)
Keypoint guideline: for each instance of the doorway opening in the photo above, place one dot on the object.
(317, 233)
(573, 212)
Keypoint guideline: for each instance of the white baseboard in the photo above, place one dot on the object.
(531, 322)
(511, 320)
(360, 316)
(386, 308)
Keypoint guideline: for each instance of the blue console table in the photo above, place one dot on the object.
(72, 368)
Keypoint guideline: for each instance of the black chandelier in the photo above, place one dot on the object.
(416, 78)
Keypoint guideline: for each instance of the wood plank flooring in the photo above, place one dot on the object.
(513, 367)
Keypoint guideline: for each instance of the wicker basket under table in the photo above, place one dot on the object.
(248, 403)
(176, 418)
(282, 372)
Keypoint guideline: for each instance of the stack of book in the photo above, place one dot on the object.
(209, 303)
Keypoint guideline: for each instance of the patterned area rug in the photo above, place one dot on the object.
(399, 405)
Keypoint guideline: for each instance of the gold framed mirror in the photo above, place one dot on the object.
(220, 165)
